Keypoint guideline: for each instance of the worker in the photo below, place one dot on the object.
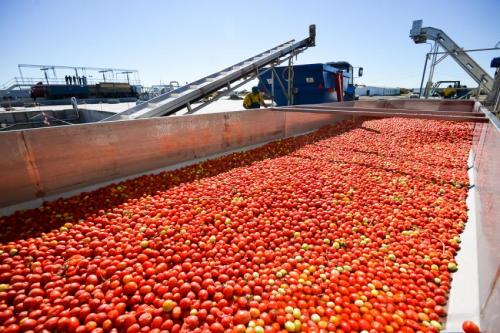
(349, 94)
(254, 99)
(449, 92)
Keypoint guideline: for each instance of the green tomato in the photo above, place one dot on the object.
(290, 326)
(452, 267)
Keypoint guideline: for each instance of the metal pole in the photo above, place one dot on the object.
(473, 50)
(423, 76)
(431, 71)
(289, 79)
(292, 88)
(46, 77)
(495, 107)
(442, 58)
(272, 84)
(285, 93)
(479, 89)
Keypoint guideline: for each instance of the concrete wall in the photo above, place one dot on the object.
(486, 148)
(44, 162)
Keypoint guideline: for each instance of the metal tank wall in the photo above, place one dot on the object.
(50, 162)
(486, 148)
(45, 163)
(418, 104)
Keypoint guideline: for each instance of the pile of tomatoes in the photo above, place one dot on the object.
(352, 228)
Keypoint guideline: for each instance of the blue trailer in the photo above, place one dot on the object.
(311, 84)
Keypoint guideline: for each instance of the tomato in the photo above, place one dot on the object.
(72, 324)
(176, 312)
(345, 326)
(242, 317)
(24, 324)
(228, 292)
(352, 227)
(13, 328)
(216, 328)
(191, 321)
(130, 288)
(239, 328)
(145, 319)
(470, 327)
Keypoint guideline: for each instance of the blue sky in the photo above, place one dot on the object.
(185, 40)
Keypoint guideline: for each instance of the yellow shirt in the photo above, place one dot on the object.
(447, 92)
(253, 101)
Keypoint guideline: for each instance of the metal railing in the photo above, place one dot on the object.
(26, 82)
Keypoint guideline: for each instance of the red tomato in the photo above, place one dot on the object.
(352, 227)
(191, 321)
(216, 328)
(130, 288)
(241, 317)
(470, 327)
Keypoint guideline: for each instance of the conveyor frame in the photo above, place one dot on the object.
(172, 101)
(421, 34)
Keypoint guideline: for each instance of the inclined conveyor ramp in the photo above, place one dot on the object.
(421, 34)
(182, 97)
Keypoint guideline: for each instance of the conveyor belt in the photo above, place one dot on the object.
(182, 97)
(421, 35)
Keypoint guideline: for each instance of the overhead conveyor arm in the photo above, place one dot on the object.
(421, 35)
(172, 101)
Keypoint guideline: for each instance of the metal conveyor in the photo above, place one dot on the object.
(182, 97)
(421, 34)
